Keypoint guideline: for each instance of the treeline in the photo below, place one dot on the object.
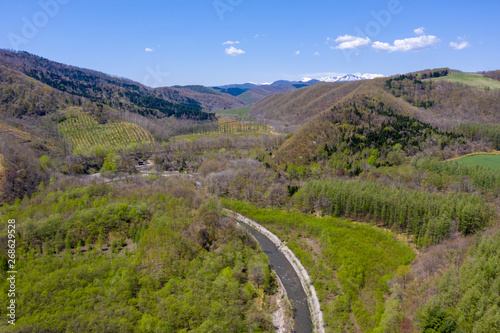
(22, 171)
(487, 131)
(420, 75)
(483, 178)
(234, 127)
(267, 142)
(467, 297)
(495, 75)
(429, 217)
(133, 257)
(413, 89)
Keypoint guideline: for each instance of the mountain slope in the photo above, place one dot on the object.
(363, 131)
(121, 94)
(297, 106)
(443, 103)
(21, 95)
(381, 121)
(254, 94)
(210, 99)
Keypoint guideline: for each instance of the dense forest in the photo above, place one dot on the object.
(134, 258)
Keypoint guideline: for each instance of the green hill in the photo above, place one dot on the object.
(473, 80)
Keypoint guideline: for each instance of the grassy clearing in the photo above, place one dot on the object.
(486, 160)
(237, 113)
(361, 257)
(473, 80)
(86, 134)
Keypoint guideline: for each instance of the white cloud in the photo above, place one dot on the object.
(232, 51)
(230, 42)
(407, 44)
(297, 52)
(256, 36)
(351, 42)
(419, 31)
(316, 54)
(460, 46)
(149, 50)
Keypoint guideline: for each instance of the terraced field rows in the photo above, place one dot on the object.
(85, 133)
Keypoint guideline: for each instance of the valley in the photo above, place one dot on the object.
(387, 189)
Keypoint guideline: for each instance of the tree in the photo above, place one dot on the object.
(110, 168)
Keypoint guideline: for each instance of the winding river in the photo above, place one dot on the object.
(289, 278)
(305, 304)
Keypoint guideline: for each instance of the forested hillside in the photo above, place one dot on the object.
(362, 133)
(210, 99)
(134, 258)
(97, 87)
(298, 106)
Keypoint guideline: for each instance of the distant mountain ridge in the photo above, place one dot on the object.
(251, 93)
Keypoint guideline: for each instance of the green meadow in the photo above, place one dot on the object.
(490, 161)
(473, 80)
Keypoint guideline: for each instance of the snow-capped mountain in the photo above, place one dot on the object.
(345, 77)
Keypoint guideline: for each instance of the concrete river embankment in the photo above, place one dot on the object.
(296, 281)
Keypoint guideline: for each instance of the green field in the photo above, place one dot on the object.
(473, 80)
(238, 113)
(490, 161)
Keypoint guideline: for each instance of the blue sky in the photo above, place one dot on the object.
(169, 42)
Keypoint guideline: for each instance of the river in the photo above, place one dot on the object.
(289, 278)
